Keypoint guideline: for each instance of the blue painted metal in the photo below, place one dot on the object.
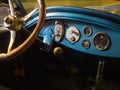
(80, 17)
(47, 36)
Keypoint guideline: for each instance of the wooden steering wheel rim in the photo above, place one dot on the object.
(29, 41)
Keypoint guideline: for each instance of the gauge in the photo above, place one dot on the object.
(85, 44)
(87, 31)
(58, 31)
(101, 41)
(72, 34)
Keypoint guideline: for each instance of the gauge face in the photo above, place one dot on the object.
(101, 41)
(87, 31)
(72, 34)
(86, 44)
(58, 31)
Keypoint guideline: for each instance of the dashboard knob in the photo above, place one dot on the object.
(58, 51)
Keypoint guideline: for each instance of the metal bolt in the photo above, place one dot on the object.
(8, 20)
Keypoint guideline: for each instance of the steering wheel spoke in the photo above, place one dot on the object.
(25, 18)
(12, 39)
(11, 6)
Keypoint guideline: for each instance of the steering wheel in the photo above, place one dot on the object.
(14, 24)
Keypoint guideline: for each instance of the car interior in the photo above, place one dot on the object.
(59, 45)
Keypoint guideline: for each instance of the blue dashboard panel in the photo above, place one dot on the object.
(103, 38)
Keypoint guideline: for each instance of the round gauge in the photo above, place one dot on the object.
(101, 41)
(87, 31)
(58, 31)
(72, 34)
(85, 44)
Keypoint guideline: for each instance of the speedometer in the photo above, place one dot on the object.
(101, 41)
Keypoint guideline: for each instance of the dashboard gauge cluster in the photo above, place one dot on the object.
(101, 41)
(72, 34)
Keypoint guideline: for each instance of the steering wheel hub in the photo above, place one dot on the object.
(13, 23)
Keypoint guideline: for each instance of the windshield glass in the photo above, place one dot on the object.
(110, 6)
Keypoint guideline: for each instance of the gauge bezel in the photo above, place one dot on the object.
(107, 38)
(90, 30)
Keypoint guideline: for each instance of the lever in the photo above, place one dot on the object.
(58, 52)
(100, 70)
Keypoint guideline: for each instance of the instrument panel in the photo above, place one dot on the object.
(100, 41)
(85, 37)
(84, 30)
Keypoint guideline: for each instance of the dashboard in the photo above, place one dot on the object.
(83, 30)
(79, 32)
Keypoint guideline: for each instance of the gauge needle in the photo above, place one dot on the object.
(57, 34)
(75, 33)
